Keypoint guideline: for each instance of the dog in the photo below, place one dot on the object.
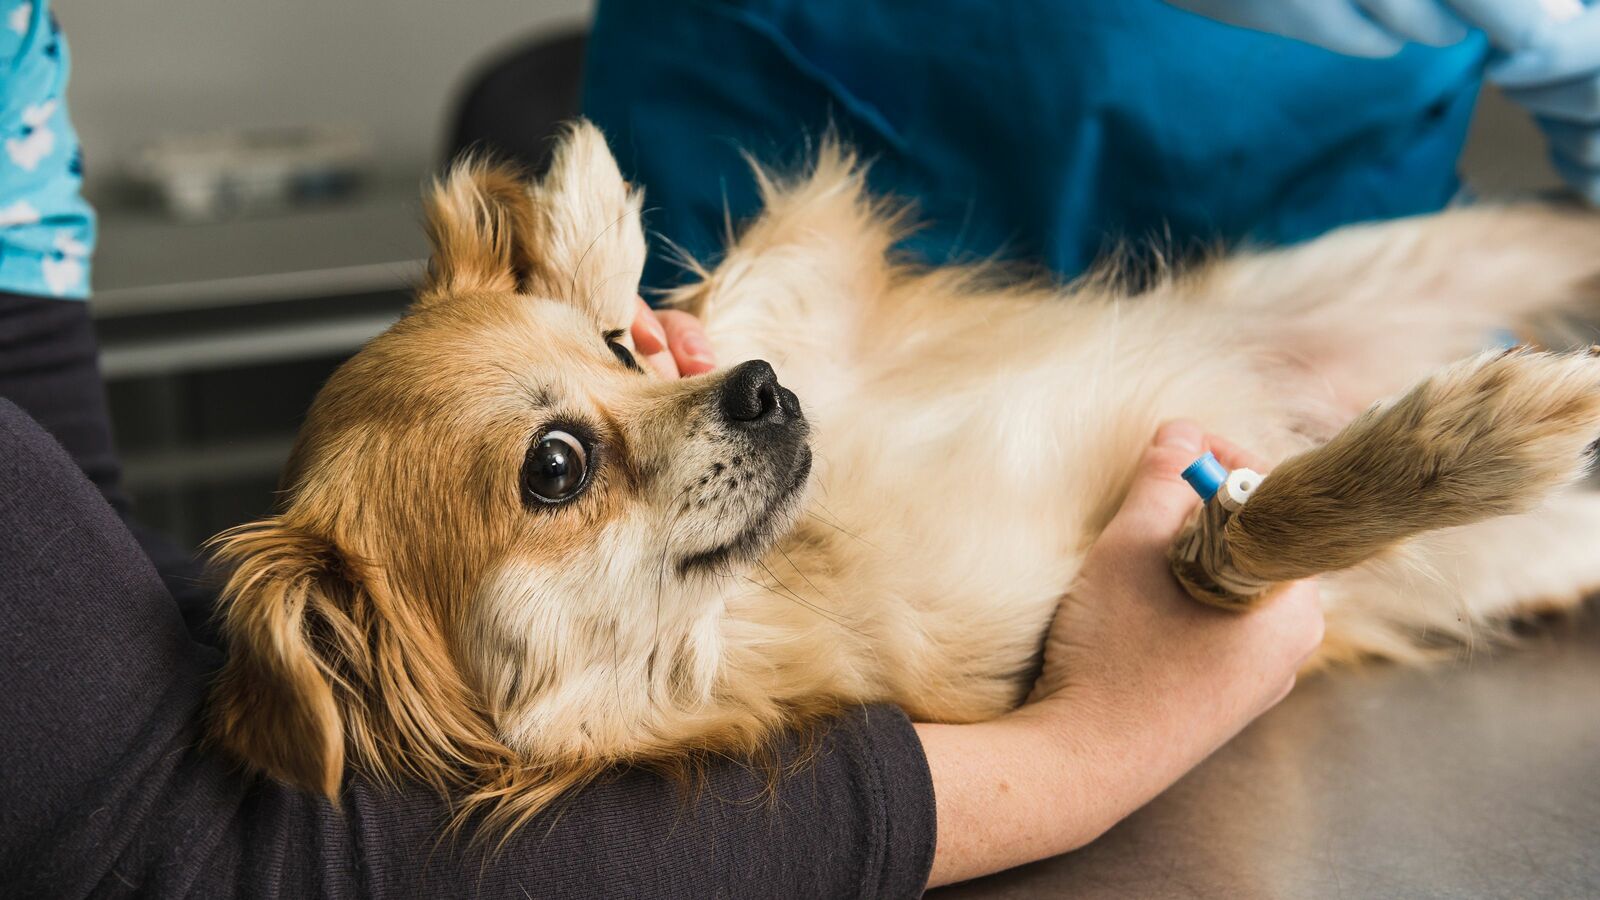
(508, 557)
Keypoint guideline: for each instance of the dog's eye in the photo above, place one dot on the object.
(624, 355)
(555, 468)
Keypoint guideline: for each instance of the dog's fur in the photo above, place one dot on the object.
(409, 611)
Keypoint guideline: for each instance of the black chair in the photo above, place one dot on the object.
(516, 102)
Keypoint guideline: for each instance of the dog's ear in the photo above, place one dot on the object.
(480, 223)
(283, 608)
(588, 245)
(574, 235)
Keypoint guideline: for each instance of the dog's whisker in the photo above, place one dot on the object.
(837, 527)
(797, 600)
(807, 578)
(793, 595)
(616, 664)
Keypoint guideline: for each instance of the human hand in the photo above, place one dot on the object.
(1131, 651)
(673, 343)
(1549, 54)
(1351, 27)
(1140, 683)
(1551, 68)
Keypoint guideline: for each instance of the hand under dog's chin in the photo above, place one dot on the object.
(769, 522)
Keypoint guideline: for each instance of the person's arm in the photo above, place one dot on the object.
(49, 366)
(1140, 684)
(110, 788)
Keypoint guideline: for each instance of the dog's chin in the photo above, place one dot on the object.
(765, 527)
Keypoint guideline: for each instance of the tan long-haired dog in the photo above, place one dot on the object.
(508, 557)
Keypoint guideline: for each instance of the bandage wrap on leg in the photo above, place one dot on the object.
(1200, 557)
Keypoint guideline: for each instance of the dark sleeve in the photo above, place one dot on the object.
(49, 366)
(107, 791)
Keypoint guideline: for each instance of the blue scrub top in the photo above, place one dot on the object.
(1036, 130)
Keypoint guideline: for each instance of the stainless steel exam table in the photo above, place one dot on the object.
(1479, 779)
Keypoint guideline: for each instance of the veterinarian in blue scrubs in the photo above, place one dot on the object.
(1046, 131)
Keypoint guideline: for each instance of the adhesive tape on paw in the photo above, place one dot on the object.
(1237, 489)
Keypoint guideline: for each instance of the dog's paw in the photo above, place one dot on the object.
(1490, 436)
(1506, 428)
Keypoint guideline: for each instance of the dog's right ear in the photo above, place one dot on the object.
(480, 223)
(284, 607)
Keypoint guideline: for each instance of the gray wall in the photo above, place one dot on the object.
(142, 67)
(147, 66)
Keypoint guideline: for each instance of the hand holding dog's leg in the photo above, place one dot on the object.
(1491, 436)
(1140, 684)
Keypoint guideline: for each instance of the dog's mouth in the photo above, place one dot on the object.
(764, 526)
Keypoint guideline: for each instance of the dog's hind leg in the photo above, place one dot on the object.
(1367, 310)
(1491, 436)
(1463, 587)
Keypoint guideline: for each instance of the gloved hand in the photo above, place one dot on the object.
(1554, 73)
(1351, 27)
(1548, 53)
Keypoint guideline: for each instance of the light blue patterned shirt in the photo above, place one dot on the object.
(46, 227)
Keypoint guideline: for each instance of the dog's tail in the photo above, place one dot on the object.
(1490, 436)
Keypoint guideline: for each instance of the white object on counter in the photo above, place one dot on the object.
(211, 176)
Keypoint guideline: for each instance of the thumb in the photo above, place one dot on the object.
(1159, 499)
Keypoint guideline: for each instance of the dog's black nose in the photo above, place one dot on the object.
(752, 397)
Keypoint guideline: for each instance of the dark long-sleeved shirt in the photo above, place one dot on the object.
(107, 789)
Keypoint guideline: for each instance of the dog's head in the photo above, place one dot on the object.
(499, 533)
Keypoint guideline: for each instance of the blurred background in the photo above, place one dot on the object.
(222, 305)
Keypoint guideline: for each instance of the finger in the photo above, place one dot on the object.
(1511, 25)
(664, 364)
(1575, 153)
(1233, 456)
(1336, 25)
(1568, 101)
(1584, 180)
(648, 337)
(1575, 142)
(651, 341)
(1562, 52)
(1159, 499)
(1345, 28)
(686, 338)
(1423, 21)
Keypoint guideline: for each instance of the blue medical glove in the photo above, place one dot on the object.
(1555, 75)
(1351, 27)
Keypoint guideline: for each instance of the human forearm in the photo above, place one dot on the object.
(1041, 781)
(1139, 684)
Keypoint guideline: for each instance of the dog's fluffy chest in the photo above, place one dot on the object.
(958, 484)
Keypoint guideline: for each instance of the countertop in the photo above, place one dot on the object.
(1478, 779)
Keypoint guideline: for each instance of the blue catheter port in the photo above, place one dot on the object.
(1206, 476)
